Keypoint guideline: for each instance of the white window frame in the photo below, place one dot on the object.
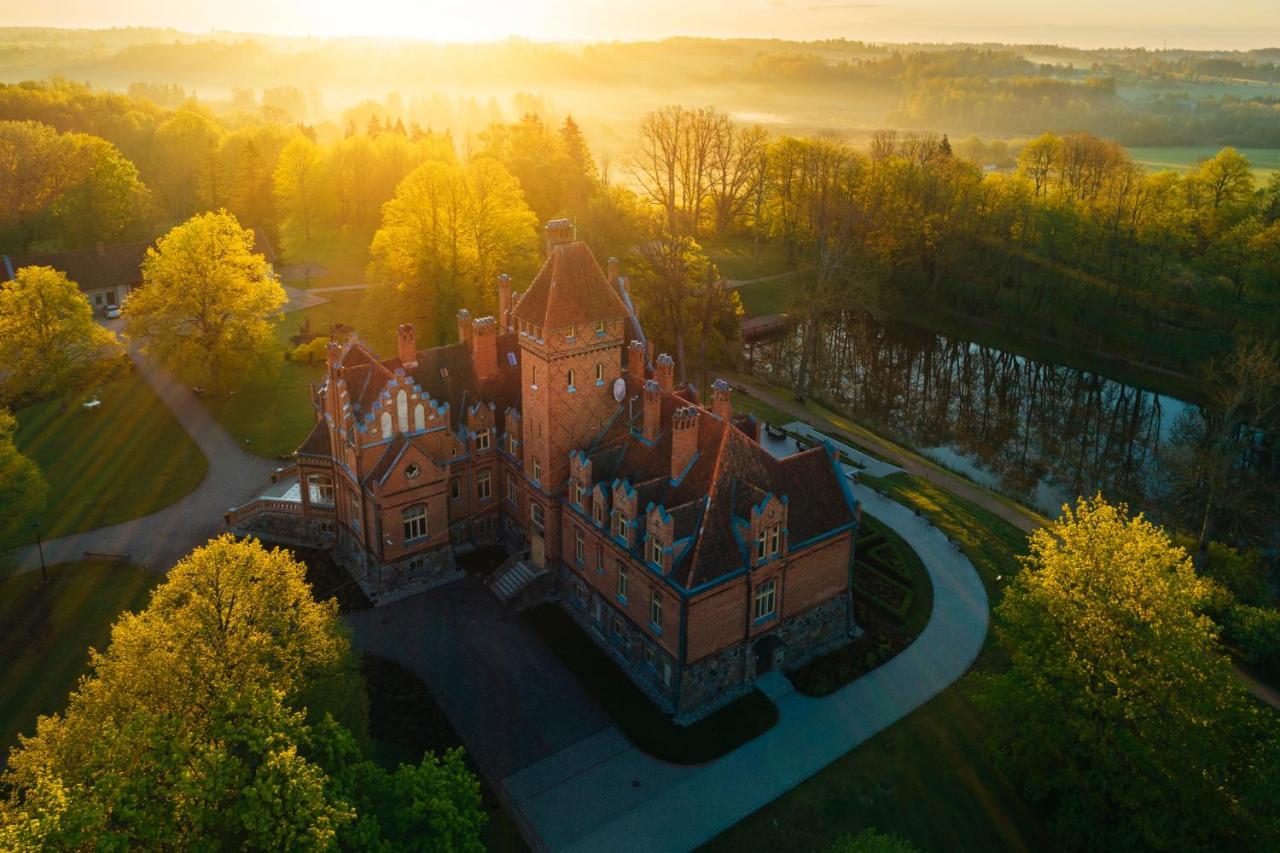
(482, 440)
(655, 610)
(766, 594)
(624, 580)
(599, 372)
(414, 522)
(537, 518)
(579, 546)
(620, 524)
(569, 377)
(484, 485)
(655, 550)
(513, 490)
(537, 471)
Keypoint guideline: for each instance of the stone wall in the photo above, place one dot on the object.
(627, 650)
(715, 681)
(815, 631)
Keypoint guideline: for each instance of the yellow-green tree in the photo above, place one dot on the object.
(206, 303)
(22, 486)
(444, 237)
(1118, 708)
(301, 190)
(208, 723)
(49, 342)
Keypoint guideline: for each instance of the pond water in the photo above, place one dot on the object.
(1042, 433)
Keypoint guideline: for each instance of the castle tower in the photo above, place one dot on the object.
(571, 327)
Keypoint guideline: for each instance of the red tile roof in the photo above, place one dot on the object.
(570, 290)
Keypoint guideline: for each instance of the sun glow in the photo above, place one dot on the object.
(435, 20)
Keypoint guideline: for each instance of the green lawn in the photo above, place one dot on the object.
(271, 413)
(1181, 158)
(768, 297)
(639, 719)
(928, 777)
(737, 258)
(46, 632)
(343, 261)
(125, 459)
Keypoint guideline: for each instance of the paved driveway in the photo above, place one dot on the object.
(575, 783)
(510, 699)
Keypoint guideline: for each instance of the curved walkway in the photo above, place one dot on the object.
(604, 794)
(159, 540)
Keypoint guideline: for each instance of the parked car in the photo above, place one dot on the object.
(113, 313)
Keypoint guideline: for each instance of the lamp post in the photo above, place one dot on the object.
(44, 572)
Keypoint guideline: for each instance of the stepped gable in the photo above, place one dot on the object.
(570, 290)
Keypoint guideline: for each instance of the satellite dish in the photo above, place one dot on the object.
(619, 389)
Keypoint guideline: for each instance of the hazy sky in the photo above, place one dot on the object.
(1087, 23)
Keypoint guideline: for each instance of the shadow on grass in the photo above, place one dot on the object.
(647, 727)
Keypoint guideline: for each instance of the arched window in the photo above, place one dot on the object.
(570, 376)
(599, 372)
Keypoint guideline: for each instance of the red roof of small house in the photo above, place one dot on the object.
(570, 290)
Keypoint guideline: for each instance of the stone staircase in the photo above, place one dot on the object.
(512, 578)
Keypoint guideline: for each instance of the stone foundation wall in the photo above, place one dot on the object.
(627, 650)
(816, 631)
(282, 529)
(715, 681)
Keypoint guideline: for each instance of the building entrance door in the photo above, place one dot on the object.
(538, 551)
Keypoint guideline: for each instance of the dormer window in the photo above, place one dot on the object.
(620, 525)
(482, 440)
(579, 494)
(599, 327)
(512, 444)
(572, 332)
(655, 550)
(768, 543)
(598, 512)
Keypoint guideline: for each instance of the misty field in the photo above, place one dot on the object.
(1181, 158)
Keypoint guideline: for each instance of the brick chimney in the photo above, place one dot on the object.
(635, 361)
(464, 326)
(664, 370)
(613, 269)
(333, 355)
(684, 440)
(721, 405)
(652, 410)
(504, 303)
(408, 341)
(558, 232)
(484, 348)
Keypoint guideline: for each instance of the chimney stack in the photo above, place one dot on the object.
(333, 354)
(721, 405)
(652, 410)
(684, 440)
(484, 348)
(635, 361)
(613, 270)
(464, 326)
(408, 341)
(664, 370)
(504, 303)
(558, 232)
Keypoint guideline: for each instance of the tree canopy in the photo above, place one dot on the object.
(205, 306)
(49, 342)
(1118, 709)
(209, 723)
(22, 486)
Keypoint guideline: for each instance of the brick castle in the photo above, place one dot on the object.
(683, 548)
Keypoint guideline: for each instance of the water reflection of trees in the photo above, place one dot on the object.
(1027, 422)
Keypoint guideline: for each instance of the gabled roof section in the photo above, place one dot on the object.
(570, 290)
(317, 443)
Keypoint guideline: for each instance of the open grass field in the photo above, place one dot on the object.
(737, 256)
(271, 413)
(929, 777)
(125, 459)
(325, 262)
(46, 632)
(1182, 158)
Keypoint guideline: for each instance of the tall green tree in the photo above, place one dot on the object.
(23, 488)
(206, 303)
(1119, 710)
(49, 342)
